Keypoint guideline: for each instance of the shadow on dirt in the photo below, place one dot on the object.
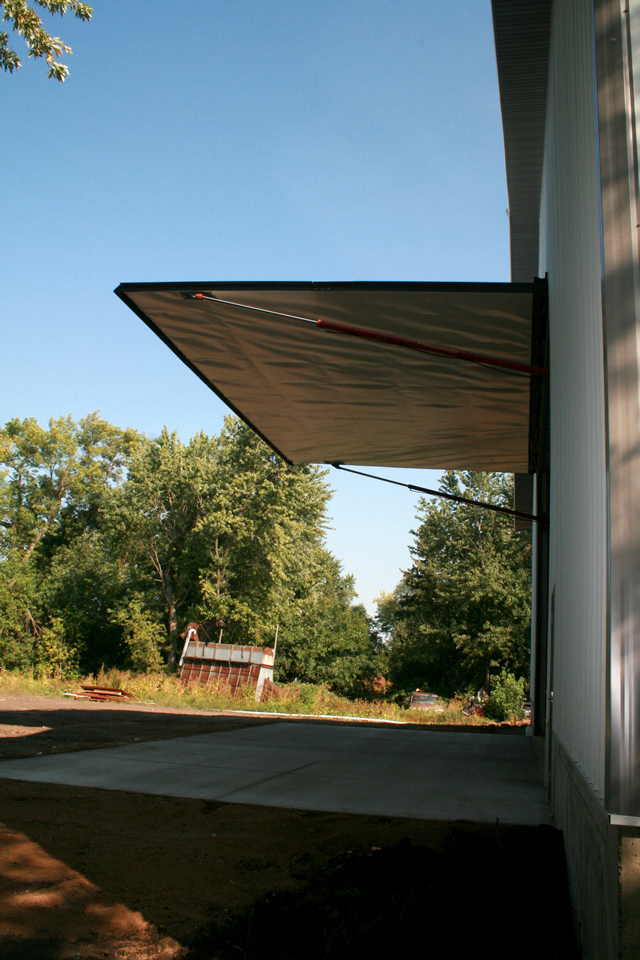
(30, 731)
(30, 726)
(499, 896)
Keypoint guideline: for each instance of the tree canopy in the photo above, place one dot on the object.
(111, 542)
(24, 19)
(462, 610)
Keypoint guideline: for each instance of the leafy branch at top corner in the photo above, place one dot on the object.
(24, 20)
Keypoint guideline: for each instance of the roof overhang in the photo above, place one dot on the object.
(319, 397)
(522, 30)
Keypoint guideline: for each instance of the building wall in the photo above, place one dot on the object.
(570, 252)
(621, 311)
(592, 848)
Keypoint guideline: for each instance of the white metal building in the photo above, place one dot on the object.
(568, 70)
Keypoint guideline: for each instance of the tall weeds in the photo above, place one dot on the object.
(294, 699)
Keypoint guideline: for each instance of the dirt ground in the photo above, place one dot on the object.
(30, 726)
(88, 873)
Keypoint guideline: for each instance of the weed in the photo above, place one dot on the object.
(294, 699)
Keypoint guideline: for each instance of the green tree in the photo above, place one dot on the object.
(154, 522)
(19, 613)
(219, 530)
(324, 637)
(223, 531)
(142, 635)
(54, 479)
(111, 542)
(52, 483)
(82, 583)
(462, 611)
(266, 522)
(24, 20)
(507, 698)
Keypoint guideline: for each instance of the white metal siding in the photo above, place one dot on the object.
(570, 252)
(634, 31)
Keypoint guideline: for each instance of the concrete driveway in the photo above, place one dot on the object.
(320, 766)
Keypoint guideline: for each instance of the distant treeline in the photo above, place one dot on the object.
(462, 612)
(111, 542)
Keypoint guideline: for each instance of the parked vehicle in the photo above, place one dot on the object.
(420, 700)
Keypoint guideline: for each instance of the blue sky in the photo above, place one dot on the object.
(245, 140)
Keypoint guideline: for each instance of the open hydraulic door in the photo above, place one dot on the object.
(347, 390)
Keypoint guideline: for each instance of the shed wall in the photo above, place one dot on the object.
(570, 251)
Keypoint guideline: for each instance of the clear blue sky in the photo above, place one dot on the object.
(240, 140)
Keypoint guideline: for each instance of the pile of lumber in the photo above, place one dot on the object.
(100, 693)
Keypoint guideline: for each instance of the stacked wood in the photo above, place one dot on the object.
(100, 693)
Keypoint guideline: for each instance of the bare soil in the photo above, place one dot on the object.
(91, 874)
(30, 726)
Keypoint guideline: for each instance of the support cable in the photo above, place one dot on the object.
(519, 514)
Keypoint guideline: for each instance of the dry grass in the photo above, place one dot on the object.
(295, 699)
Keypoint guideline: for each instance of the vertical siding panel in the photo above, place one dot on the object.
(570, 252)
